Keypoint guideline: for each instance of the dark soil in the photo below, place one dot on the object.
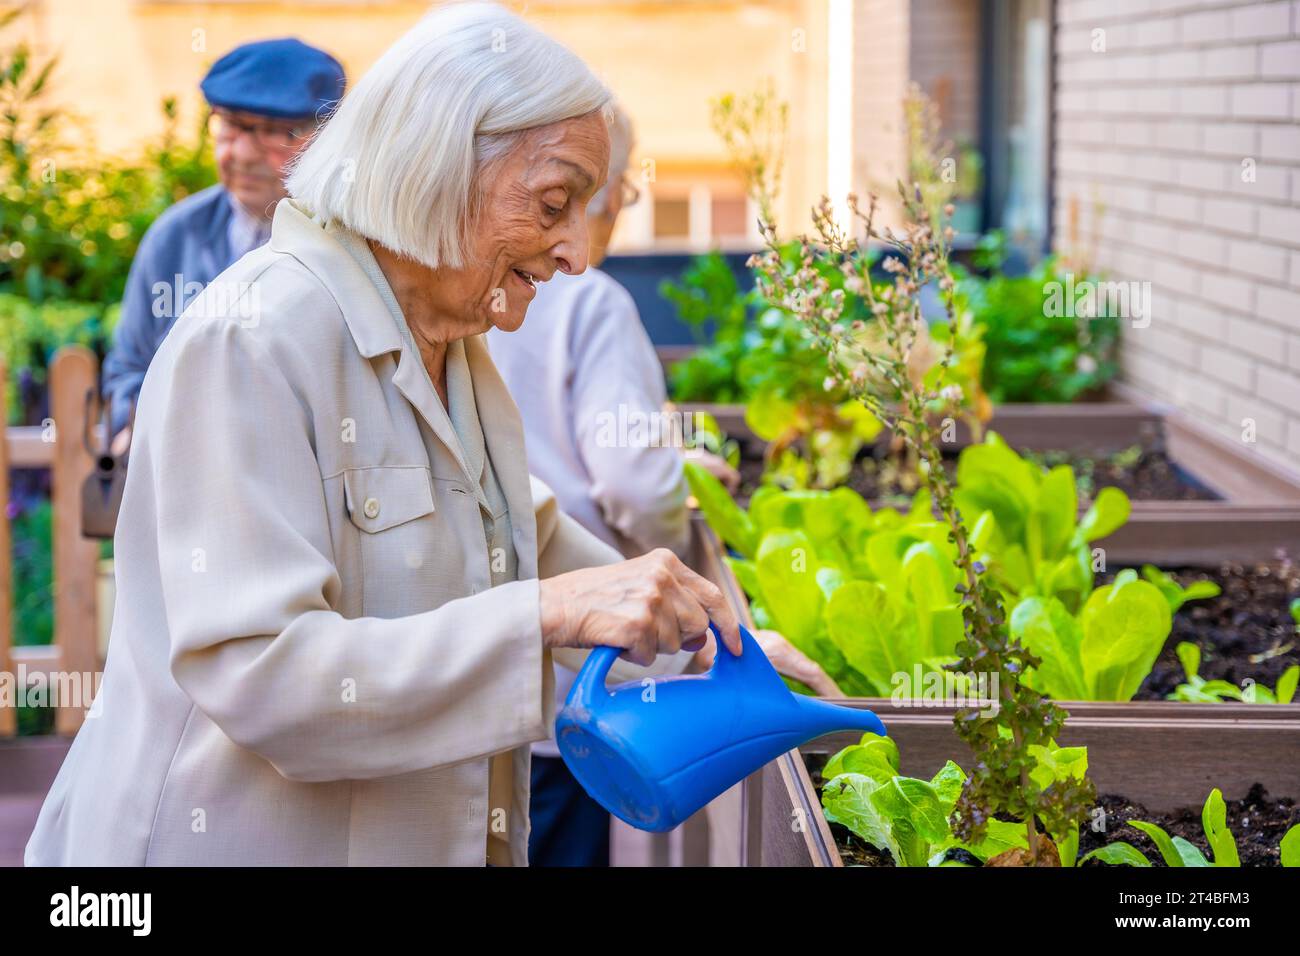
(1245, 632)
(1257, 822)
(1141, 473)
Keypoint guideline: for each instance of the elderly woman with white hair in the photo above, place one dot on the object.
(331, 644)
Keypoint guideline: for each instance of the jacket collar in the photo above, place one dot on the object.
(295, 233)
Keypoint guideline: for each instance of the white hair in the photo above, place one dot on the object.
(621, 141)
(399, 160)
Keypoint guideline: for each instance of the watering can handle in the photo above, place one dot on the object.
(601, 659)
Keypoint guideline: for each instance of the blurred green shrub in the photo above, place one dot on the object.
(1032, 354)
(30, 334)
(71, 220)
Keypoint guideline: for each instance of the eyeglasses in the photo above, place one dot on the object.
(630, 193)
(226, 127)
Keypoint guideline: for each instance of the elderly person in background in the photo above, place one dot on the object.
(583, 355)
(266, 99)
(331, 644)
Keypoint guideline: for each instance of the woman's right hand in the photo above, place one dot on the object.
(647, 606)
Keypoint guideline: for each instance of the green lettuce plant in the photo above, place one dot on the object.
(1200, 690)
(873, 595)
(908, 818)
(1175, 593)
(1040, 546)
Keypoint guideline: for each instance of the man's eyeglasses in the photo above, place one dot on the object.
(630, 193)
(226, 127)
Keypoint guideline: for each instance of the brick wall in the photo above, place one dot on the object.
(880, 78)
(1186, 130)
(944, 49)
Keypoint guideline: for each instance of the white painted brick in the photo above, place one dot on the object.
(1295, 270)
(1261, 21)
(1228, 368)
(1230, 139)
(1179, 206)
(1159, 32)
(1206, 321)
(1136, 66)
(1160, 100)
(1071, 101)
(1231, 292)
(1172, 65)
(1256, 338)
(1236, 62)
(1203, 100)
(1154, 236)
(1201, 395)
(1202, 173)
(1166, 341)
(1201, 246)
(1279, 142)
(1204, 27)
(1293, 360)
(1176, 276)
(1292, 445)
(1128, 198)
(1279, 60)
(1230, 215)
(1271, 181)
(1152, 167)
(1131, 133)
(1179, 134)
(1281, 306)
(1278, 386)
(1114, 99)
(1280, 224)
(1261, 100)
(1268, 423)
(1257, 259)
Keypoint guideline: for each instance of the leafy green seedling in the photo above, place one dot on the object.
(1176, 851)
(1199, 690)
(1176, 594)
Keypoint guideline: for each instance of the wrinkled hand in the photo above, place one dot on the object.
(716, 466)
(647, 606)
(792, 662)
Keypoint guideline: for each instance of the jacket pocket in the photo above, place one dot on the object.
(381, 498)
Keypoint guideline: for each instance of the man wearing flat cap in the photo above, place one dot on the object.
(266, 99)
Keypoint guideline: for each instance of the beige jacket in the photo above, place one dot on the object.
(308, 664)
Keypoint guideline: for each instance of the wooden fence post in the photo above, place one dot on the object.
(72, 374)
(8, 715)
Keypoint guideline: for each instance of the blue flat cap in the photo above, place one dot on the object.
(285, 78)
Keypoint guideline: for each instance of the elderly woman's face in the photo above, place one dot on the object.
(533, 222)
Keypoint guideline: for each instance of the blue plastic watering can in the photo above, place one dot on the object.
(652, 756)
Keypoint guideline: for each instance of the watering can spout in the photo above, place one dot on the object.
(653, 759)
(819, 717)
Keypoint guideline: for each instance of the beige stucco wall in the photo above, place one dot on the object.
(664, 60)
(1187, 130)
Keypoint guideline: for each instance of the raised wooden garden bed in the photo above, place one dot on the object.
(1253, 511)
(1165, 755)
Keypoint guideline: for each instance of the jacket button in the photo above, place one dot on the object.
(371, 507)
